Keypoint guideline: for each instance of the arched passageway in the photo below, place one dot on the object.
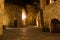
(55, 25)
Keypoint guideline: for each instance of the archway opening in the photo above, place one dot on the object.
(55, 23)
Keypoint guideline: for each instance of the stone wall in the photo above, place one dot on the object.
(1, 15)
(11, 12)
(33, 14)
(50, 12)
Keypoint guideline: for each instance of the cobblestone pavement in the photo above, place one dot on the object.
(28, 34)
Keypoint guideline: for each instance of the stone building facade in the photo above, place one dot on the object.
(1, 15)
(11, 12)
(51, 11)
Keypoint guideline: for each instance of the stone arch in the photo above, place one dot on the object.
(54, 26)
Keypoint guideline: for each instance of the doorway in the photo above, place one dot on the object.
(55, 25)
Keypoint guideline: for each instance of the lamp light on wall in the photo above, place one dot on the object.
(23, 17)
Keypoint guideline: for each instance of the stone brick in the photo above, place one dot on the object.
(50, 12)
(11, 12)
(1, 15)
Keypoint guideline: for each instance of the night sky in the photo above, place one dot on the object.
(22, 2)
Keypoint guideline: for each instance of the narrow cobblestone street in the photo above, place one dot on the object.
(28, 34)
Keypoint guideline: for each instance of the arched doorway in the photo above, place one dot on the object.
(55, 25)
(15, 23)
